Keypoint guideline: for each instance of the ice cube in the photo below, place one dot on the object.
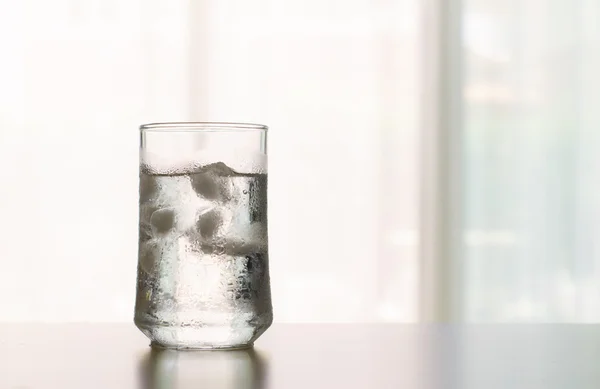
(209, 222)
(218, 168)
(163, 220)
(176, 219)
(171, 191)
(207, 186)
(212, 228)
(212, 181)
(218, 233)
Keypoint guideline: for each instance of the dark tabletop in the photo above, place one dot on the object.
(292, 356)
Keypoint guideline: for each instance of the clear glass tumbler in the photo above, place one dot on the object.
(203, 274)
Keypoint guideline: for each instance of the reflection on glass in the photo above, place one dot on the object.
(171, 369)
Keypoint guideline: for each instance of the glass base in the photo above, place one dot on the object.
(161, 346)
(200, 337)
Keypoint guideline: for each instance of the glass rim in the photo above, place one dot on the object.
(202, 126)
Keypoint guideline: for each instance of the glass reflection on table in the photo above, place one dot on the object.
(172, 369)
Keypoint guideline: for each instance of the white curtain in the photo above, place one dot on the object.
(531, 166)
(511, 225)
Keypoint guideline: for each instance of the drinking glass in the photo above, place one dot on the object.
(203, 275)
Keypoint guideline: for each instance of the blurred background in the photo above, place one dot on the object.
(430, 160)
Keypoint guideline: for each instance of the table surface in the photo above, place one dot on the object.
(292, 356)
